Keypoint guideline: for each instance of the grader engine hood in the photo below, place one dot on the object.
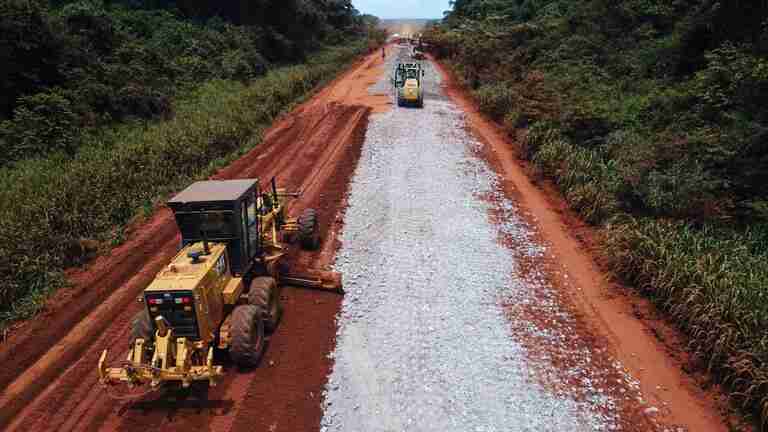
(183, 312)
(410, 90)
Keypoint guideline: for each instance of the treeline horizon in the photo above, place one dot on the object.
(71, 66)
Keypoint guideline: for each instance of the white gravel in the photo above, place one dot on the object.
(423, 342)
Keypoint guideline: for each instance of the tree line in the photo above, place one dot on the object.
(71, 66)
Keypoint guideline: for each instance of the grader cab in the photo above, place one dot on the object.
(221, 290)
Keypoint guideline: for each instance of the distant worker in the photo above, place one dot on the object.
(383, 53)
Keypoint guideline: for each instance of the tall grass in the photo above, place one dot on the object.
(713, 283)
(52, 202)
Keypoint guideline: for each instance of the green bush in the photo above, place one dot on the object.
(733, 78)
(239, 65)
(682, 189)
(588, 179)
(496, 99)
(29, 51)
(45, 122)
(142, 102)
(90, 26)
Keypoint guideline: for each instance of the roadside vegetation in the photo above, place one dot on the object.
(106, 109)
(650, 117)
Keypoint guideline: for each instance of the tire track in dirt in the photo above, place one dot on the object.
(60, 391)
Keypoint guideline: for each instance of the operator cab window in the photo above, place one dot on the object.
(221, 265)
(251, 212)
(250, 219)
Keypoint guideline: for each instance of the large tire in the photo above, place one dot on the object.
(308, 232)
(247, 343)
(263, 294)
(141, 327)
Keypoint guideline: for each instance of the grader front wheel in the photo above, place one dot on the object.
(308, 231)
(247, 330)
(263, 294)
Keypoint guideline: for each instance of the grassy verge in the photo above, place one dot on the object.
(712, 282)
(709, 277)
(52, 204)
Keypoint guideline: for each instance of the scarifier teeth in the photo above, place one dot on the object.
(323, 280)
(332, 280)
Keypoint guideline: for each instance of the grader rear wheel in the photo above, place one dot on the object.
(308, 232)
(263, 294)
(247, 330)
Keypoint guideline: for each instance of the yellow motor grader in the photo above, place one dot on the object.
(221, 290)
(409, 84)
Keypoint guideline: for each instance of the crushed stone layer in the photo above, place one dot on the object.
(424, 341)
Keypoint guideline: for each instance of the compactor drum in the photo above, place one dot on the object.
(222, 289)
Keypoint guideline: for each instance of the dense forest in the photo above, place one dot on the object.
(107, 108)
(650, 117)
(70, 66)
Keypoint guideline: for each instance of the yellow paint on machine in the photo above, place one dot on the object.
(411, 90)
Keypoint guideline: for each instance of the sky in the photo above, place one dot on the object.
(389, 9)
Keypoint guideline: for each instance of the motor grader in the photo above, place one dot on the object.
(408, 82)
(221, 290)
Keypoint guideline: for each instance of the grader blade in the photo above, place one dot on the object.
(318, 280)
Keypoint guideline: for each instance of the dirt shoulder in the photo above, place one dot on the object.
(649, 349)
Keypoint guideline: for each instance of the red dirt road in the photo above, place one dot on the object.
(49, 378)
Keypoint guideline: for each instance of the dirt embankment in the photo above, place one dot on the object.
(49, 374)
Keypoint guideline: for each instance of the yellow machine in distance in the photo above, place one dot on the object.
(221, 290)
(408, 82)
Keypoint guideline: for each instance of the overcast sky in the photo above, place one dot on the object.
(389, 9)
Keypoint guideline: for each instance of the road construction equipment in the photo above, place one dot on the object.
(221, 290)
(417, 52)
(408, 82)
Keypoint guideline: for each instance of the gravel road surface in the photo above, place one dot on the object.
(424, 343)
